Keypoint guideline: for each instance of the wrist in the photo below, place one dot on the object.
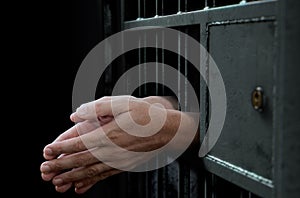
(185, 125)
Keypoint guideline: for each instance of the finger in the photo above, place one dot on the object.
(68, 162)
(83, 185)
(67, 146)
(80, 173)
(86, 111)
(113, 107)
(103, 119)
(48, 176)
(75, 118)
(87, 126)
(107, 106)
(83, 189)
(77, 144)
(46, 173)
(75, 131)
(63, 188)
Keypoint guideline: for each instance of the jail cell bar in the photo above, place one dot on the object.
(223, 27)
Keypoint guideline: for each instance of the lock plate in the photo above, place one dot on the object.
(257, 99)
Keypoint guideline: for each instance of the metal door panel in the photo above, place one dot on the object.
(246, 60)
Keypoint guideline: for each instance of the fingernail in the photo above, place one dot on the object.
(82, 110)
(48, 151)
(57, 181)
(79, 185)
(45, 168)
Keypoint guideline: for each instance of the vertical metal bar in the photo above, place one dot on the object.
(249, 195)
(185, 71)
(147, 186)
(205, 188)
(156, 7)
(163, 61)
(203, 99)
(144, 180)
(208, 185)
(184, 168)
(179, 93)
(145, 64)
(163, 170)
(213, 182)
(140, 69)
(171, 171)
(139, 9)
(155, 173)
(178, 68)
(156, 61)
(162, 7)
(122, 14)
(144, 9)
(179, 8)
(123, 178)
(194, 178)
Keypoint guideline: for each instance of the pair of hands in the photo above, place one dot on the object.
(84, 154)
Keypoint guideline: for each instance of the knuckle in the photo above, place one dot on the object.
(78, 162)
(113, 135)
(91, 171)
(78, 145)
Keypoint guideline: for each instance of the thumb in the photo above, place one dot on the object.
(112, 107)
(86, 111)
(108, 107)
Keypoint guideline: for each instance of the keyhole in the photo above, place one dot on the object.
(257, 99)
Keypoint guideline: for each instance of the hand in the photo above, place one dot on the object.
(73, 158)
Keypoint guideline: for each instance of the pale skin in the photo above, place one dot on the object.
(71, 158)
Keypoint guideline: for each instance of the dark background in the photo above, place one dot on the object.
(61, 34)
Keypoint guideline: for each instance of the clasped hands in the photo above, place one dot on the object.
(76, 157)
